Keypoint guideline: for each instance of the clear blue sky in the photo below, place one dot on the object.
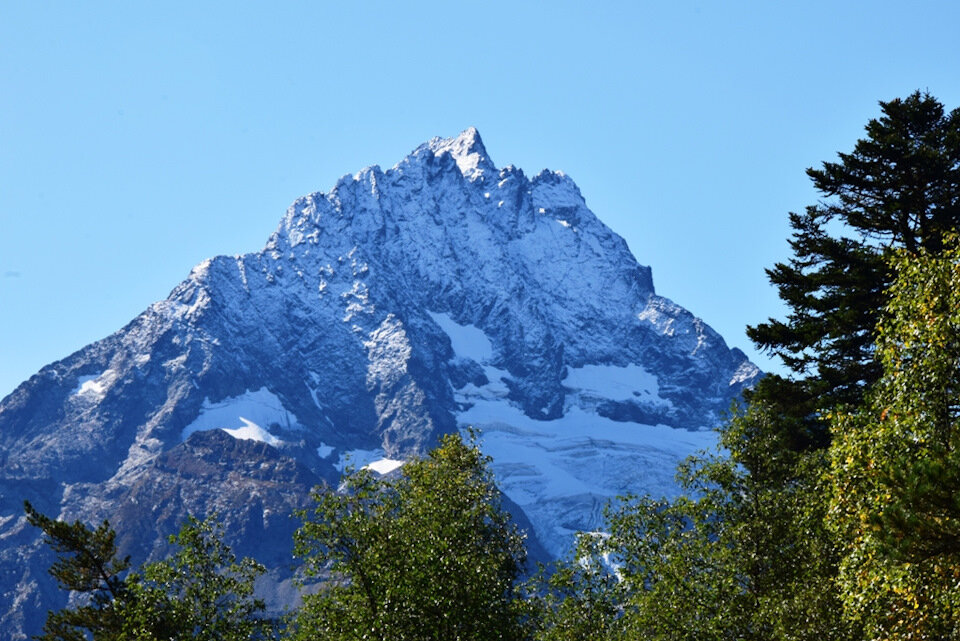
(138, 138)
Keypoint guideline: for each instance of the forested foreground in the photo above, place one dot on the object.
(831, 509)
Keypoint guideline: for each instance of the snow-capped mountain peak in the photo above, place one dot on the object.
(468, 152)
(402, 304)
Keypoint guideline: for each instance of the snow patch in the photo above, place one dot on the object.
(244, 416)
(614, 383)
(314, 392)
(373, 460)
(87, 384)
(252, 432)
(325, 450)
(94, 387)
(563, 471)
(384, 466)
(468, 341)
(358, 459)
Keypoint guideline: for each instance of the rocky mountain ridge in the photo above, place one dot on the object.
(438, 294)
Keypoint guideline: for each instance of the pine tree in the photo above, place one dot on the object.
(898, 188)
(87, 564)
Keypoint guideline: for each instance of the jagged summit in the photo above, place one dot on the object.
(467, 150)
(400, 305)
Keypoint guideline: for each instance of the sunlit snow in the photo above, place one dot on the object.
(563, 471)
(383, 466)
(357, 459)
(95, 386)
(745, 372)
(244, 417)
(367, 460)
(469, 156)
(88, 384)
(253, 432)
(467, 341)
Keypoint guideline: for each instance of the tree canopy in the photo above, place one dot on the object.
(430, 554)
(898, 189)
(740, 555)
(87, 563)
(895, 500)
(201, 592)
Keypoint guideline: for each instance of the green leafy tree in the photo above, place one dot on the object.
(428, 555)
(740, 556)
(896, 464)
(201, 592)
(898, 188)
(581, 598)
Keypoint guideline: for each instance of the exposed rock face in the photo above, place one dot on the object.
(401, 305)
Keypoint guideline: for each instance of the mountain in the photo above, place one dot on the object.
(401, 305)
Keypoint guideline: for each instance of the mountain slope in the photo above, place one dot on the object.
(403, 304)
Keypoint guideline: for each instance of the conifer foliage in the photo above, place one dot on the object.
(201, 592)
(898, 188)
(86, 564)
